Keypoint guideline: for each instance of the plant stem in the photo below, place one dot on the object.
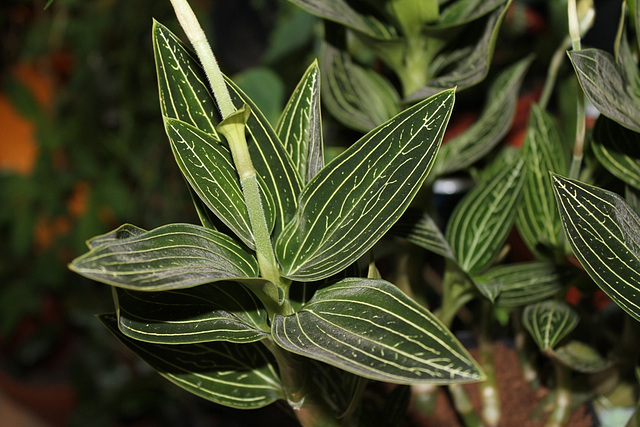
(524, 352)
(489, 387)
(463, 406)
(562, 404)
(552, 72)
(198, 39)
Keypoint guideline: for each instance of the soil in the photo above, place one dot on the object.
(520, 404)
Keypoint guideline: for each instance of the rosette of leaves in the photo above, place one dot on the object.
(255, 304)
(428, 45)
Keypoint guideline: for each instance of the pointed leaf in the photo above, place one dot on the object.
(581, 357)
(489, 287)
(548, 322)
(529, 282)
(604, 233)
(538, 218)
(474, 66)
(300, 126)
(464, 11)
(618, 149)
(370, 328)
(184, 89)
(420, 229)
(341, 12)
(240, 376)
(215, 312)
(123, 232)
(492, 125)
(358, 98)
(482, 221)
(173, 256)
(356, 198)
(609, 85)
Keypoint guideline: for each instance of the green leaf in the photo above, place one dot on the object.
(183, 86)
(529, 282)
(300, 125)
(421, 230)
(271, 161)
(370, 328)
(462, 12)
(604, 233)
(213, 312)
(549, 322)
(473, 66)
(488, 287)
(173, 256)
(618, 149)
(341, 12)
(338, 388)
(123, 232)
(489, 129)
(359, 98)
(265, 87)
(353, 201)
(241, 376)
(609, 85)
(581, 357)
(208, 167)
(538, 219)
(481, 222)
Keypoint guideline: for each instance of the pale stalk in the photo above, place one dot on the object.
(489, 392)
(562, 401)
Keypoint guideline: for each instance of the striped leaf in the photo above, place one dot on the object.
(421, 230)
(462, 12)
(618, 149)
(489, 129)
(123, 232)
(213, 312)
(488, 287)
(359, 98)
(538, 219)
(271, 161)
(581, 357)
(549, 322)
(472, 65)
(341, 12)
(481, 222)
(370, 328)
(208, 167)
(529, 282)
(241, 376)
(174, 256)
(604, 233)
(300, 125)
(184, 89)
(611, 86)
(353, 201)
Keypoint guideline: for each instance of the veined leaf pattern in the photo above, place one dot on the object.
(370, 328)
(173, 256)
(549, 322)
(618, 150)
(604, 233)
(355, 199)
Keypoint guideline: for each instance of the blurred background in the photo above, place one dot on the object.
(82, 151)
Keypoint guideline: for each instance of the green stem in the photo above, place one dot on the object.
(488, 388)
(562, 404)
(552, 72)
(525, 354)
(463, 406)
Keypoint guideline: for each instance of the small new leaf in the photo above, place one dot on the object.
(549, 322)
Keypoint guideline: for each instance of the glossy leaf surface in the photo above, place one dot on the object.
(549, 322)
(529, 282)
(604, 233)
(173, 256)
(421, 230)
(240, 376)
(354, 200)
(213, 312)
(370, 328)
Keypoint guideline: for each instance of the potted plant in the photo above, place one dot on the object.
(302, 285)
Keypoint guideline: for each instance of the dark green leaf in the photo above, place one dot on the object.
(462, 12)
(420, 229)
(538, 219)
(241, 376)
(618, 149)
(581, 357)
(529, 282)
(609, 86)
(358, 98)
(123, 232)
(353, 201)
(492, 125)
(370, 328)
(265, 87)
(300, 125)
(549, 322)
(213, 312)
(482, 221)
(604, 233)
(489, 287)
(173, 256)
